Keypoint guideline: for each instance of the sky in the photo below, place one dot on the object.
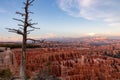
(63, 18)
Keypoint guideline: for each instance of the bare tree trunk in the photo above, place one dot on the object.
(23, 56)
(23, 59)
(24, 32)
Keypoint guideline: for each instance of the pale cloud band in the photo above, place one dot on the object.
(16, 38)
(105, 10)
(2, 10)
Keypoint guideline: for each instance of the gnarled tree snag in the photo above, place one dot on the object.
(23, 30)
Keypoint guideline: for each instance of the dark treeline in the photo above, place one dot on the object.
(12, 46)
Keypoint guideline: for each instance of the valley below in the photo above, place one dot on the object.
(73, 60)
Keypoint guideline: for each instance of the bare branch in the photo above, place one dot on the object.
(21, 28)
(30, 2)
(22, 14)
(29, 20)
(30, 39)
(32, 24)
(15, 31)
(18, 20)
(40, 41)
(33, 27)
(24, 3)
(31, 12)
(20, 25)
(28, 31)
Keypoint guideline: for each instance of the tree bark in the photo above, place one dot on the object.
(23, 56)
(23, 59)
(26, 23)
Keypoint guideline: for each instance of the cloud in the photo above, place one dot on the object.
(91, 34)
(50, 35)
(47, 35)
(7, 39)
(105, 10)
(19, 38)
(114, 24)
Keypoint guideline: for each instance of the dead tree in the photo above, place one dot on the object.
(34, 41)
(25, 28)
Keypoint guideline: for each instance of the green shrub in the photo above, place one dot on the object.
(5, 74)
